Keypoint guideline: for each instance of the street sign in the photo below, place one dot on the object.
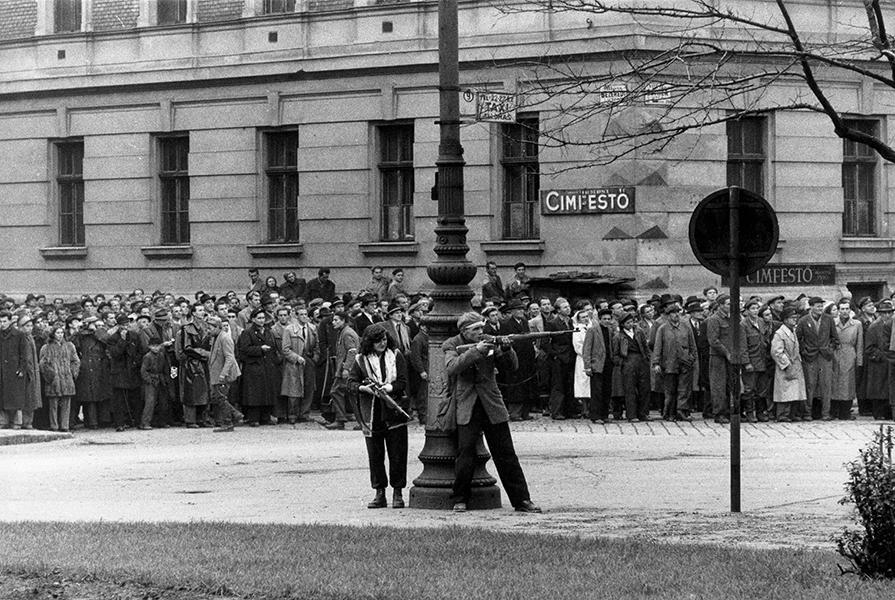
(759, 232)
(588, 201)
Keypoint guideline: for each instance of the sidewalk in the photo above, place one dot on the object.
(9, 437)
(659, 480)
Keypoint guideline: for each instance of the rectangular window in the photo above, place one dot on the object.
(859, 182)
(67, 15)
(746, 154)
(171, 11)
(174, 180)
(521, 179)
(396, 174)
(70, 184)
(272, 7)
(281, 169)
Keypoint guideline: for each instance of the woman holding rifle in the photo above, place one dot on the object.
(379, 377)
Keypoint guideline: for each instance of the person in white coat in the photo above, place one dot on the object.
(581, 323)
(789, 380)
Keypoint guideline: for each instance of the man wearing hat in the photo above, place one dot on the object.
(521, 384)
(877, 357)
(755, 373)
(818, 341)
(631, 353)
(718, 332)
(562, 356)
(126, 360)
(479, 408)
(674, 358)
(866, 315)
(397, 328)
(15, 365)
(367, 315)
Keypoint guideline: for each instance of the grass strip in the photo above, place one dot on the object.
(339, 562)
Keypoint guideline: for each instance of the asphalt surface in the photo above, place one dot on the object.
(657, 480)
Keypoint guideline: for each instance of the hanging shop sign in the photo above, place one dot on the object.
(588, 201)
(790, 275)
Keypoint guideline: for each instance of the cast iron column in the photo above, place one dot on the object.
(451, 272)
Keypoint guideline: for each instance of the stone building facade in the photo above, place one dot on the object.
(174, 144)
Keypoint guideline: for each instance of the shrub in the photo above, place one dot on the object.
(871, 487)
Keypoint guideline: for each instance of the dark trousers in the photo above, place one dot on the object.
(636, 382)
(544, 364)
(562, 391)
(391, 442)
(597, 405)
(500, 445)
(155, 402)
(127, 407)
(223, 410)
(677, 388)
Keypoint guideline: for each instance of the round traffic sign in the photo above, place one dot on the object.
(710, 232)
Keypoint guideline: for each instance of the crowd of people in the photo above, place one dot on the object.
(797, 360)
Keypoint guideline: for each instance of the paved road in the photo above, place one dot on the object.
(660, 480)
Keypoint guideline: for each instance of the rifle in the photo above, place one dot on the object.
(380, 393)
(506, 340)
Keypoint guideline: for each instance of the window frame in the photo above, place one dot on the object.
(63, 181)
(288, 7)
(739, 162)
(180, 233)
(403, 168)
(284, 173)
(860, 160)
(528, 165)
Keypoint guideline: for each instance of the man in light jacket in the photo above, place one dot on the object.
(223, 370)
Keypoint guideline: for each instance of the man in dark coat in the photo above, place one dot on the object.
(192, 349)
(521, 383)
(260, 373)
(480, 409)
(818, 340)
(93, 384)
(321, 287)
(15, 365)
(126, 360)
(866, 315)
(630, 352)
(561, 355)
(293, 287)
(346, 350)
(878, 361)
(367, 315)
(597, 357)
(721, 351)
(493, 288)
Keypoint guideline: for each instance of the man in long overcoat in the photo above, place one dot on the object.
(817, 343)
(878, 360)
(15, 364)
(522, 389)
(192, 349)
(93, 385)
(260, 373)
(720, 355)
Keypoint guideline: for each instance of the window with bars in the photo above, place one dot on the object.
(70, 185)
(273, 7)
(746, 154)
(67, 15)
(281, 169)
(859, 165)
(521, 179)
(171, 12)
(396, 176)
(174, 181)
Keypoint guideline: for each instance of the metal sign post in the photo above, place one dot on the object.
(734, 233)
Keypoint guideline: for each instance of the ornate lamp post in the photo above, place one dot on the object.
(451, 272)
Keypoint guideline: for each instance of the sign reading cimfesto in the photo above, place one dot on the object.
(587, 201)
(792, 275)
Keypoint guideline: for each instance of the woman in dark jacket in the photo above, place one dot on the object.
(261, 371)
(379, 376)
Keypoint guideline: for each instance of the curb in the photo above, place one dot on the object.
(18, 436)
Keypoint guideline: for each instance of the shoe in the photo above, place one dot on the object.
(762, 417)
(644, 420)
(597, 421)
(193, 426)
(222, 429)
(145, 428)
(302, 420)
(238, 417)
(254, 424)
(459, 507)
(784, 420)
(292, 421)
(722, 420)
(681, 416)
(122, 428)
(559, 418)
(807, 418)
(379, 501)
(335, 425)
(528, 506)
(516, 419)
(27, 426)
(751, 418)
(826, 418)
(357, 427)
(397, 500)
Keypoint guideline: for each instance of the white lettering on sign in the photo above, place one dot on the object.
(588, 201)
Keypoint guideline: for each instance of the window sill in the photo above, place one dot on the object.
(514, 247)
(64, 253)
(389, 248)
(274, 250)
(162, 252)
(866, 244)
